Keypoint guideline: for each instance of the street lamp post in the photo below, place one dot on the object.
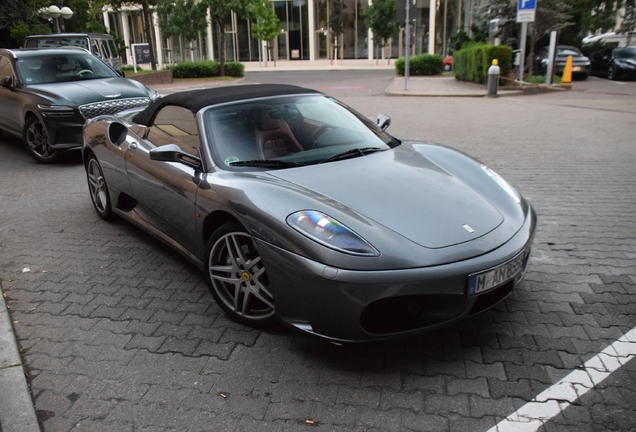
(54, 13)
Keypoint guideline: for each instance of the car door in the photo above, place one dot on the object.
(165, 191)
(10, 98)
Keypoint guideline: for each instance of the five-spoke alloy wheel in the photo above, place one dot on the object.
(237, 277)
(37, 143)
(98, 188)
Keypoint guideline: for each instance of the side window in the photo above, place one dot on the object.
(6, 69)
(105, 50)
(175, 125)
(95, 49)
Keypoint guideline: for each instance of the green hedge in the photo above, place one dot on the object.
(421, 64)
(471, 63)
(204, 69)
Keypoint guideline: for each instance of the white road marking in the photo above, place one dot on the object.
(553, 400)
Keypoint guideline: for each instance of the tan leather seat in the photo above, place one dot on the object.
(273, 135)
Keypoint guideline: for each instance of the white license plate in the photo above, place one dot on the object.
(576, 68)
(478, 283)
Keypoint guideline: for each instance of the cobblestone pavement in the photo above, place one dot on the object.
(119, 333)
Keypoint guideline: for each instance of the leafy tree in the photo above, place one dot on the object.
(184, 18)
(147, 16)
(381, 18)
(551, 15)
(220, 10)
(629, 19)
(267, 25)
(337, 19)
(503, 10)
(19, 18)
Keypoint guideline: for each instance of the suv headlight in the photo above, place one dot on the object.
(56, 110)
(329, 232)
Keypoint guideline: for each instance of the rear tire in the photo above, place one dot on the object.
(36, 140)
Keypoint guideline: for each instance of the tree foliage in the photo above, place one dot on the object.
(267, 25)
(381, 18)
(221, 10)
(19, 18)
(629, 19)
(184, 18)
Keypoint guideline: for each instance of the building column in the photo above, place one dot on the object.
(106, 22)
(158, 44)
(432, 8)
(124, 21)
(209, 40)
(311, 19)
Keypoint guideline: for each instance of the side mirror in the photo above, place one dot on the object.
(173, 153)
(6, 82)
(384, 121)
(119, 73)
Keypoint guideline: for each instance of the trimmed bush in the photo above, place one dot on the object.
(421, 64)
(130, 68)
(205, 69)
(471, 63)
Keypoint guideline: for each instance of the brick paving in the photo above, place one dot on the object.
(120, 333)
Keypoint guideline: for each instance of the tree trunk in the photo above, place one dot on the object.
(148, 28)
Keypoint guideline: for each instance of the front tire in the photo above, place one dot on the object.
(36, 141)
(236, 276)
(98, 188)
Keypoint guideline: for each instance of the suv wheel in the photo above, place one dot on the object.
(36, 141)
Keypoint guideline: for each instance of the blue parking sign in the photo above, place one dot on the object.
(526, 4)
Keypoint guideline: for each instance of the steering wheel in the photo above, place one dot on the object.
(313, 138)
(85, 71)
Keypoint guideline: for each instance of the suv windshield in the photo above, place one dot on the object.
(74, 66)
(289, 131)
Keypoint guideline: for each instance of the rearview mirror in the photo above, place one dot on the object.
(384, 121)
(173, 153)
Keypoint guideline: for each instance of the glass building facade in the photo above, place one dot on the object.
(305, 34)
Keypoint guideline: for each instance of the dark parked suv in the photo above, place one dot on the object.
(46, 95)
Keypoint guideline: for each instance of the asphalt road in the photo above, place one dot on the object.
(120, 333)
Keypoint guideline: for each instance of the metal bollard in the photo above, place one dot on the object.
(493, 78)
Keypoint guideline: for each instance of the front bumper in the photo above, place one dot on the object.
(348, 305)
(65, 132)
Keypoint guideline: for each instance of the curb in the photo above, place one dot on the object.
(17, 413)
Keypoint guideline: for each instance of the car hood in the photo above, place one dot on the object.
(95, 90)
(405, 192)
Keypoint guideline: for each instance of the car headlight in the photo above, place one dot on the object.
(501, 182)
(56, 110)
(329, 232)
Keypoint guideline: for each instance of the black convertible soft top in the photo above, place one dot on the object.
(194, 100)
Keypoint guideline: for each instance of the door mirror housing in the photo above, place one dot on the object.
(384, 121)
(6, 82)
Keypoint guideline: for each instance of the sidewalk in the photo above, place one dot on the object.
(437, 86)
(16, 407)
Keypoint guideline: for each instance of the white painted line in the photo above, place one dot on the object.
(553, 400)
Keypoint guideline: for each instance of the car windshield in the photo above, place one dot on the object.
(625, 53)
(74, 66)
(290, 131)
(568, 50)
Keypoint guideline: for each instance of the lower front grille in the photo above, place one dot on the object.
(111, 107)
(412, 312)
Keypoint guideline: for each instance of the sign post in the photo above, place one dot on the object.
(141, 54)
(526, 11)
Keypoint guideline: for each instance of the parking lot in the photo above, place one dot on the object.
(120, 333)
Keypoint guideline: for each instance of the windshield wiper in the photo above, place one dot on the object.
(272, 163)
(352, 153)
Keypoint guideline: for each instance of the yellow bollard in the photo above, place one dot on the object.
(567, 72)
